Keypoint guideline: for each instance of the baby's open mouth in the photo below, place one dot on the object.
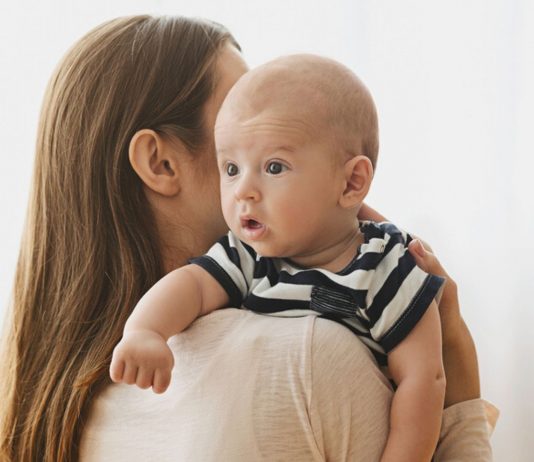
(253, 224)
(252, 228)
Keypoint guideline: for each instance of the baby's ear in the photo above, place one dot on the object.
(358, 173)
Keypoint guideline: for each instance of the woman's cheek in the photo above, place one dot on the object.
(216, 215)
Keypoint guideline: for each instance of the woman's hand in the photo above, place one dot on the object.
(368, 213)
(459, 353)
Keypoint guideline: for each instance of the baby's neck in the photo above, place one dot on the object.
(335, 256)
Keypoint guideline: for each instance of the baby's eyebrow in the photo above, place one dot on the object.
(221, 151)
(286, 148)
(275, 148)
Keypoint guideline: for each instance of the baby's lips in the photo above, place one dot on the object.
(247, 222)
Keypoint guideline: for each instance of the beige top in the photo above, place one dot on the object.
(249, 387)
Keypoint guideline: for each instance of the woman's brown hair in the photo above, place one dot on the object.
(90, 247)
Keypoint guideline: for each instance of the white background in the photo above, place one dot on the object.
(453, 82)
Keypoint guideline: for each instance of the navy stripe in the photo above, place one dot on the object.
(393, 241)
(266, 268)
(272, 272)
(250, 250)
(307, 278)
(381, 359)
(222, 277)
(371, 230)
(389, 228)
(390, 287)
(260, 268)
(413, 313)
(368, 261)
(272, 305)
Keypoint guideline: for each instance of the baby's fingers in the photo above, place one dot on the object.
(162, 379)
(116, 370)
(130, 374)
(145, 377)
(425, 259)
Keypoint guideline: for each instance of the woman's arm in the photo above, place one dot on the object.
(459, 353)
(467, 420)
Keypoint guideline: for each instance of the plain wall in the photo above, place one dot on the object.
(452, 83)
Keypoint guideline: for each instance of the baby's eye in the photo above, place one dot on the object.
(231, 169)
(274, 168)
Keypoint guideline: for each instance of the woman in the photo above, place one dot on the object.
(125, 189)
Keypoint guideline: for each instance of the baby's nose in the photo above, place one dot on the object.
(247, 189)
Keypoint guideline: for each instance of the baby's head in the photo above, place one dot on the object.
(297, 142)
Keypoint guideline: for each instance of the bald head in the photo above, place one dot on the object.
(318, 90)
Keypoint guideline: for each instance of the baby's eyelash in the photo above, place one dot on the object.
(230, 169)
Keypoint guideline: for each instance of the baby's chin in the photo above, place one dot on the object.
(261, 248)
(269, 250)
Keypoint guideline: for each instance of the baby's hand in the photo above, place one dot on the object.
(144, 358)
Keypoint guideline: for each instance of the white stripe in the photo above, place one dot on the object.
(375, 245)
(356, 324)
(283, 291)
(293, 313)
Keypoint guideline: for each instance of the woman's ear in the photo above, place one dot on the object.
(156, 161)
(358, 172)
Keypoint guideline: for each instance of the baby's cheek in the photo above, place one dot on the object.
(295, 214)
(227, 209)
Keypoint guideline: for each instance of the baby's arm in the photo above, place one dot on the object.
(417, 368)
(170, 306)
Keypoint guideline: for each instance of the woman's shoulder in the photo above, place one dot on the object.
(274, 382)
(337, 351)
(244, 369)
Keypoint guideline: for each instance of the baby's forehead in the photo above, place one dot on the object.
(307, 86)
(317, 91)
(264, 118)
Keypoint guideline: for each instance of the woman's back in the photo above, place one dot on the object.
(250, 387)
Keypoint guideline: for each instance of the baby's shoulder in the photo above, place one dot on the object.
(381, 240)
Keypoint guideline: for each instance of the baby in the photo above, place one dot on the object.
(297, 142)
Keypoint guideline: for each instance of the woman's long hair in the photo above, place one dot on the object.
(90, 247)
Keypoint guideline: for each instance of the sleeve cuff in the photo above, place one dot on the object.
(413, 313)
(459, 412)
(221, 276)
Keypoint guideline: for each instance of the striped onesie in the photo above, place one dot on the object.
(380, 295)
